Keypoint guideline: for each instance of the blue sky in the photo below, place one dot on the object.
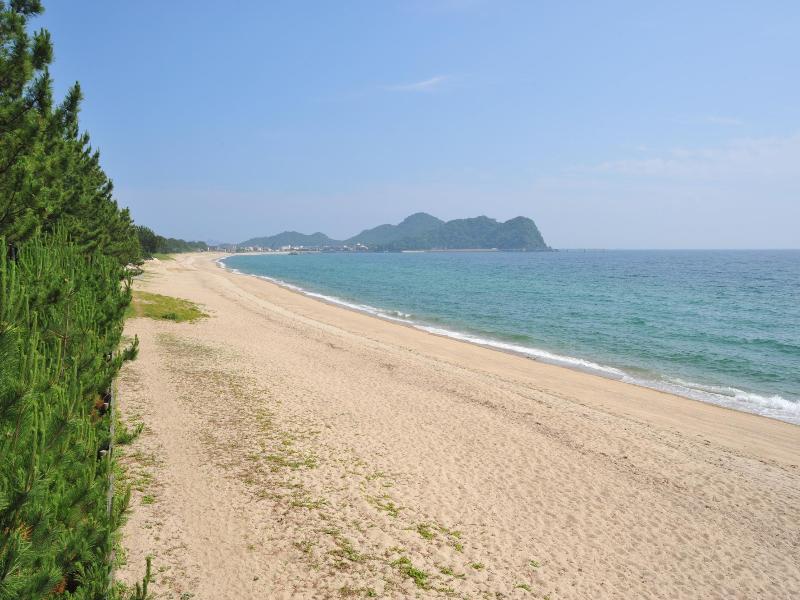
(612, 124)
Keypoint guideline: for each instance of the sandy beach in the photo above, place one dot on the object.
(295, 449)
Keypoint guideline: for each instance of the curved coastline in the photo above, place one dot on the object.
(623, 477)
(774, 407)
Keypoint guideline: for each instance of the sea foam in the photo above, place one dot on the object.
(774, 406)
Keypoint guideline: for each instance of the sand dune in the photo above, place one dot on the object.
(299, 450)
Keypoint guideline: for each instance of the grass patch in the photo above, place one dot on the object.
(453, 536)
(289, 462)
(385, 504)
(142, 481)
(144, 459)
(455, 533)
(425, 532)
(448, 591)
(303, 501)
(305, 546)
(451, 573)
(148, 499)
(123, 435)
(344, 549)
(165, 308)
(405, 566)
(163, 256)
(380, 475)
(524, 586)
(349, 592)
(477, 566)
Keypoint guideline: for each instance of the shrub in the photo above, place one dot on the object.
(60, 325)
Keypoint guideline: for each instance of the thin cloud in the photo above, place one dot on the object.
(766, 158)
(426, 85)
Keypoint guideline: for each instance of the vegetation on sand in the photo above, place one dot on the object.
(156, 306)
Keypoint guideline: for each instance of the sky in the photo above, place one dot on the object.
(611, 124)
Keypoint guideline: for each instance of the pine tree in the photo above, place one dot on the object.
(49, 175)
(63, 292)
(25, 106)
(61, 317)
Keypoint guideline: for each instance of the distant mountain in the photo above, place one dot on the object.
(292, 238)
(417, 224)
(519, 233)
(422, 231)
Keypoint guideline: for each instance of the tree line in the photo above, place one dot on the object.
(64, 285)
(151, 243)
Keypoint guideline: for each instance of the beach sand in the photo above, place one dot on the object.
(295, 449)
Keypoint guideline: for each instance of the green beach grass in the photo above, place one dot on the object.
(165, 308)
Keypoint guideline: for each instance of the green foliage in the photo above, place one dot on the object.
(50, 177)
(64, 244)
(140, 591)
(425, 531)
(124, 435)
(152, 243)
(406, 567)
(156, 306)
(60, 324)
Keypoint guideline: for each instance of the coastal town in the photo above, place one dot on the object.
(287, 249)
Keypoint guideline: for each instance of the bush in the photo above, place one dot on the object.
(60, 325)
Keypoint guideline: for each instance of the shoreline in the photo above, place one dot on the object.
(541, 356)
(293, 449)
(644, 402)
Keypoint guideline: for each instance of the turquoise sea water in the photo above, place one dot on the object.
(717, 326)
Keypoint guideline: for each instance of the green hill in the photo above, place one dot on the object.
(482, 232)
(422, 231)
(292, 238)
(415, 225)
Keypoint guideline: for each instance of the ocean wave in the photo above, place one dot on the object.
(392, 315)
(774, 406)
(536, 353)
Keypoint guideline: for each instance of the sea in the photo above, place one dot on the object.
(716, 326)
